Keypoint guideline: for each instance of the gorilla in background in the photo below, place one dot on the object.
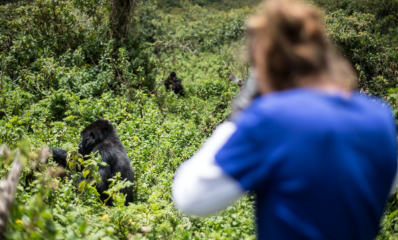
(177, 87)
(101, 136)
(169, 81)
(175, 84)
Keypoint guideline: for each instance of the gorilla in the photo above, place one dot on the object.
(101, 136)
(59, 156)
(169, 81)
(177, 87)
(175, 84)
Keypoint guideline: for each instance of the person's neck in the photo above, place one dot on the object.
(324, 83)
(321, 82)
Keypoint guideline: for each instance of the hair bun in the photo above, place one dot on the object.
(294, 41)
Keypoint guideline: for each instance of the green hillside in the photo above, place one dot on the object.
(65, 64)
(173, 5)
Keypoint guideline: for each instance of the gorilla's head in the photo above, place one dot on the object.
(94, 134)
(173, 74)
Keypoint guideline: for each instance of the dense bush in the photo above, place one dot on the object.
(198, 29)
(50, 45)
(62, 68)
(158, 136)
(177, 5)
(384, 10)
(53, 98)
(366, 32)
(373, 57)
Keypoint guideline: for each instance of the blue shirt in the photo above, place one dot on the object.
(321, 165)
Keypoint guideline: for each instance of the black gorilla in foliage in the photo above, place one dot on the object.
(59, 156)
(177, 87)
(175, 84)
(101, 136)
(169, 81)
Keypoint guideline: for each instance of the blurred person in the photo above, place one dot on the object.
(320, 157)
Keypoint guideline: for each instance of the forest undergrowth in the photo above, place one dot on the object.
(63, 67)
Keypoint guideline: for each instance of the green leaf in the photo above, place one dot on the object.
(83, 227)
(72, 165)
(81, 186)
(85, 173)
(392, 215)
(63, 219)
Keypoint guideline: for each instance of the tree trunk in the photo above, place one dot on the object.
(121, 16)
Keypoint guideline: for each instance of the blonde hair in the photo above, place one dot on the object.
(296, 46)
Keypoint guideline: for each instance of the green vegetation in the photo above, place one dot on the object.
(65, 64)
(178, 5)
(366, 32)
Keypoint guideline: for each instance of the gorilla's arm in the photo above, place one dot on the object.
(105, 171)
(59, 156)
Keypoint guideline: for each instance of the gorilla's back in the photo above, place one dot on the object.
(113, 152)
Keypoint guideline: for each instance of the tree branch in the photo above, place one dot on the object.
(8, 188)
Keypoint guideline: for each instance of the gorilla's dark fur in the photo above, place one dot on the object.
(174, 83)
(101, 136)
(169, 81)
(177, 87)
(59, 156)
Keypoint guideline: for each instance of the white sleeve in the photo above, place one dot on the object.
(200, 186)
